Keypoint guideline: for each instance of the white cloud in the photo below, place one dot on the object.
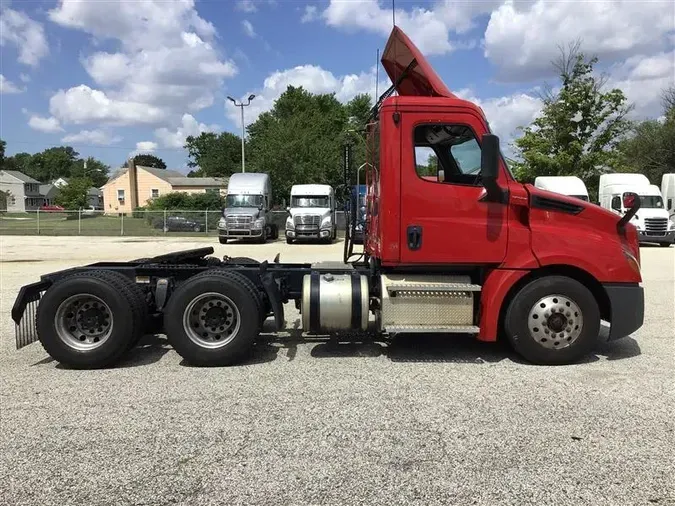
(82, 104)
(26, 34)
(313, 79)
(523, 38)
(47, 125)
(95, 137)
(643, 79)
(25, 78)
(146, 146)
(167, 61)
(248, 28)
(310, 14)
(8, 87)
(246, 6)
(189, 126)
(429, 28)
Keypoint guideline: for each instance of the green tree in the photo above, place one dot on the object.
(147, 160)
(74, 195)
(187, 202)
(3, 144)
(95, 170)
(650, 149)
(213, 155)
(299, 141)
(579, 127)
(53, 163)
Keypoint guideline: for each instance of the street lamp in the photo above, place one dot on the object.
(242, 105)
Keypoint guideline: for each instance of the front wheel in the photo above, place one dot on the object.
(665, 245)
(222, 240)
(553, 320)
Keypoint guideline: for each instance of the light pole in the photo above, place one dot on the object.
(243, 133)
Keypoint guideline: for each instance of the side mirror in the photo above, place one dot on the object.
(288, 209)
(632, 202)
(489, 167)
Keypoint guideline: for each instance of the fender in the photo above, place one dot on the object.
(497, 284)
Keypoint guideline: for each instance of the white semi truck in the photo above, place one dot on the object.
(668, 194)
(311, 213)
(652, 220)
(565, 185)
(246, 214)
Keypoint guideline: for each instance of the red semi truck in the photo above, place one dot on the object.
(465, 250)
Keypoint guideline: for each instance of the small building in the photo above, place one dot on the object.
(21, 192)
(136, 186)
(49, 193)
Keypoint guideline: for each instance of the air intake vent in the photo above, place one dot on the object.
(549, 204)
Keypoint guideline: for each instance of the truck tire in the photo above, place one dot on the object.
(89, 320)
(289, 240)
(275, 232)
(553, 320)
(222, 240)
(213, 318)
(665, 244)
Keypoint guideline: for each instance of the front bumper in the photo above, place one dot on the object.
(665, 238)
(231, 234)
(308, 233)
(627, 303)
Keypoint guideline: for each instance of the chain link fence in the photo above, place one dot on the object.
(138, 223)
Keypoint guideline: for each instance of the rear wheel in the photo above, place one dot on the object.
(89, 320)
(275, 232)
(222, 240)
(214, 318)
(553, 320)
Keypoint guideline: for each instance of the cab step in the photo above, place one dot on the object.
(432, 329)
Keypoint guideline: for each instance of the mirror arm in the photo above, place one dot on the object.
(621, 225)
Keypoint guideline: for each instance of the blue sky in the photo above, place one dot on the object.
(112, 78)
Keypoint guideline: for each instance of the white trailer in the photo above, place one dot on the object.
(668, 194)
(311, 213)
(566, 185)
(652, 219)
(247, 208)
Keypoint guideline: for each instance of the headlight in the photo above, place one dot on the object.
(222, 223)
(326, 221)
(259, 223)
(289, 223)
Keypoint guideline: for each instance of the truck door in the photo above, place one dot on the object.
(444, 217)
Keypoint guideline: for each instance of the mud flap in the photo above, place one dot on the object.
(274, 296)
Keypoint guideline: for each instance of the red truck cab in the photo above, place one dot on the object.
(450, 220)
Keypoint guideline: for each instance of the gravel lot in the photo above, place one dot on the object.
(425, 420)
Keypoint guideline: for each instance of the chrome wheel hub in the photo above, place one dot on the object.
(555, 322)
(211, 320)
(83, 322)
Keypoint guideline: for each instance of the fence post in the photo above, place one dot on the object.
(79, 221)
(38, 220)
(206, 221)
(164, 226)
(122, 225)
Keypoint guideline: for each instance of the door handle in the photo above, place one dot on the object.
(414, 237)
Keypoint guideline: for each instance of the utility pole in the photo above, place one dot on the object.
(243, 130)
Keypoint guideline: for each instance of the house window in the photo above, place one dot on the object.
(154, 193)
(120, 195)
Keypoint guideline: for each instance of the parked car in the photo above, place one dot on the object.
(180, 224)
(52, 209)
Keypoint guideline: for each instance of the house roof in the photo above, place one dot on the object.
(197, 181)
(46, 188)
(94, 191)
(173, 177)
(21, 176)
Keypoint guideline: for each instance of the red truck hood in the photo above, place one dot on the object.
(421, 80)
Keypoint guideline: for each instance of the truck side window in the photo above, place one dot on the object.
(616, 203)
(447, 154)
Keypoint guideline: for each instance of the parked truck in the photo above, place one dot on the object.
(311, 213)
(246, 214)
(668, 194)
(652, 221)
(565, 185)
(473, 252)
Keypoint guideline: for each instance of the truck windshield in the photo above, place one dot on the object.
(651, 202)
(244, 201)
(309, 201)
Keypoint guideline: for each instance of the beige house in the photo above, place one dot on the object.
(136, 186)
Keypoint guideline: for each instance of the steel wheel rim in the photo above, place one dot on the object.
(83, 322)
(555, 322)
(211, 320)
